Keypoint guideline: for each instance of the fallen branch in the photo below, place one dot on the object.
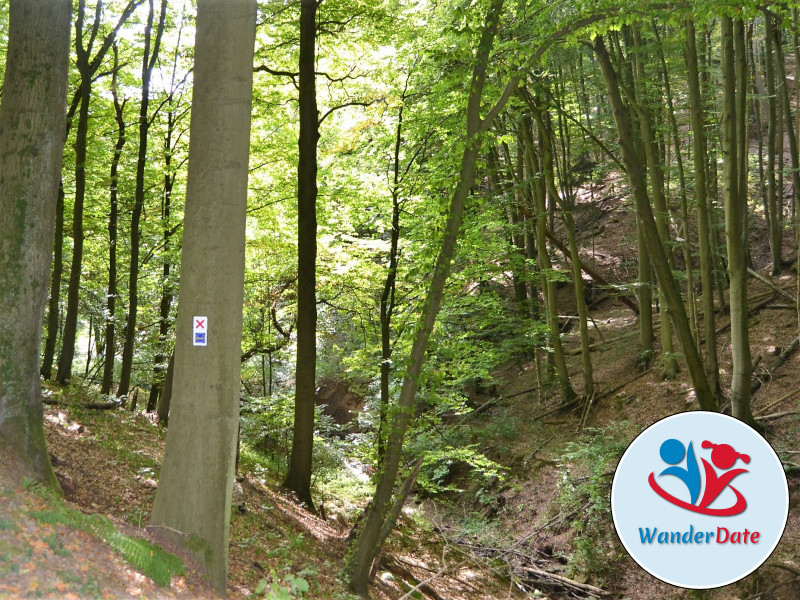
(772, 405)
(482, 408)
(426, 581)
(623, 384)
(561, 407)
(546, 578)
(785, 567)
(596, 345)
(515, 394)
(407, 576)
(769, 297)
(781, 359)
(102, 405)
(778, 415)
(771, 285)
(592, 273)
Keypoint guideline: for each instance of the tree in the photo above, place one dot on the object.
(299, 477)
(734, 152)
(113, 217)
(32, 122)
(699, 156)
(195, 486)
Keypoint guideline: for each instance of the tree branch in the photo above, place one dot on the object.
(351, 103)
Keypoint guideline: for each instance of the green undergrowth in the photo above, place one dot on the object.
(586, 470)
(149, 559)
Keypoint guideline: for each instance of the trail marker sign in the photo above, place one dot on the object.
(200, 331)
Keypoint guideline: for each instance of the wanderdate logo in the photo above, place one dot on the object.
(699, 500)
(723, 457)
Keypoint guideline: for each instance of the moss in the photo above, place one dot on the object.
(200, 548)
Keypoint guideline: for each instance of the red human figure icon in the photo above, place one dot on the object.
(724, 457)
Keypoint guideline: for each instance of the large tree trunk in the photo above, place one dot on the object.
(196, 482)
(298, 478)
(367, 543)
(645, 217)
(32, 121)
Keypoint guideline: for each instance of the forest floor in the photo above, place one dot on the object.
(541, 531)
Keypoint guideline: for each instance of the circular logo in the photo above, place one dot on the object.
(699, 500)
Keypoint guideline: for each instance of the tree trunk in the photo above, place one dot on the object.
(703, 222)
(387, 302)
(736, 213)
(791, 134)
(111, 294)
(566, 204)
(32, 122)
(165, 398)
(677, 141)
(193, 500)
(165, 306)
(298, 478)
(73, 289)
(545, 272)
(774, 216)
(53, 304)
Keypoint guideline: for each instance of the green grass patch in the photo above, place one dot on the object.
(7, 525)
(152, 560)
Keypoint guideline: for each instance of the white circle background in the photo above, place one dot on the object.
(635, 505)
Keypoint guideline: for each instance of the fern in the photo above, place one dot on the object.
(152, 560)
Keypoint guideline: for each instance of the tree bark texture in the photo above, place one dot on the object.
(32, 122)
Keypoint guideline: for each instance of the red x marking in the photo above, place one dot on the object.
(199, 323)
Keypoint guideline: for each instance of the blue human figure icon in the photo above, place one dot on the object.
(672, 453)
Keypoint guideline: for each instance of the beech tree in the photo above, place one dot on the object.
(299, 477)
(193, 499)
(32, 121)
